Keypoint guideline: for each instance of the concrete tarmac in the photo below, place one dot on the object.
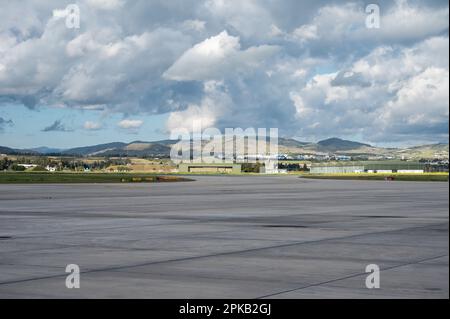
(226, 237)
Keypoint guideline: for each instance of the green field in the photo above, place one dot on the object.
(67, 178)
(432, 177)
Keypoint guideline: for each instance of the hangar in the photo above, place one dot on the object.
(220, 168)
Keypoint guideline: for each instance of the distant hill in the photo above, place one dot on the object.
(337, 144)
(285, 145)
(14, 151)
(290, 142)
(46, 150)
(439, 150)
(93, 150)
(136, 148)
(6, 150)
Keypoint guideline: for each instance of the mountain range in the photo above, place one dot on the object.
(286, 145)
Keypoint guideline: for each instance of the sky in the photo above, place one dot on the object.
(139, 69)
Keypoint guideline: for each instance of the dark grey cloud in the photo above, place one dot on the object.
(56, 126)
(4, 123)
(345, 78)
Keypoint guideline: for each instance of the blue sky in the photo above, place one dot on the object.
(136, 70)
(28, 128)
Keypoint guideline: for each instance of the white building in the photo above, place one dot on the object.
(27, 165)
(50, 168)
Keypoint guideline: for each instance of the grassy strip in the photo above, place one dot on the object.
(436, 177)
(68, 178)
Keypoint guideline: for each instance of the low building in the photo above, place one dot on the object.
(372, 167)
(411, 171)
(27, 165)
(220, 168)
(381, 171)
(343, 158)
(336, 169)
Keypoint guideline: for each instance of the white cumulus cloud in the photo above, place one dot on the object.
(217, 57)
(92, 126)
(130, 124)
